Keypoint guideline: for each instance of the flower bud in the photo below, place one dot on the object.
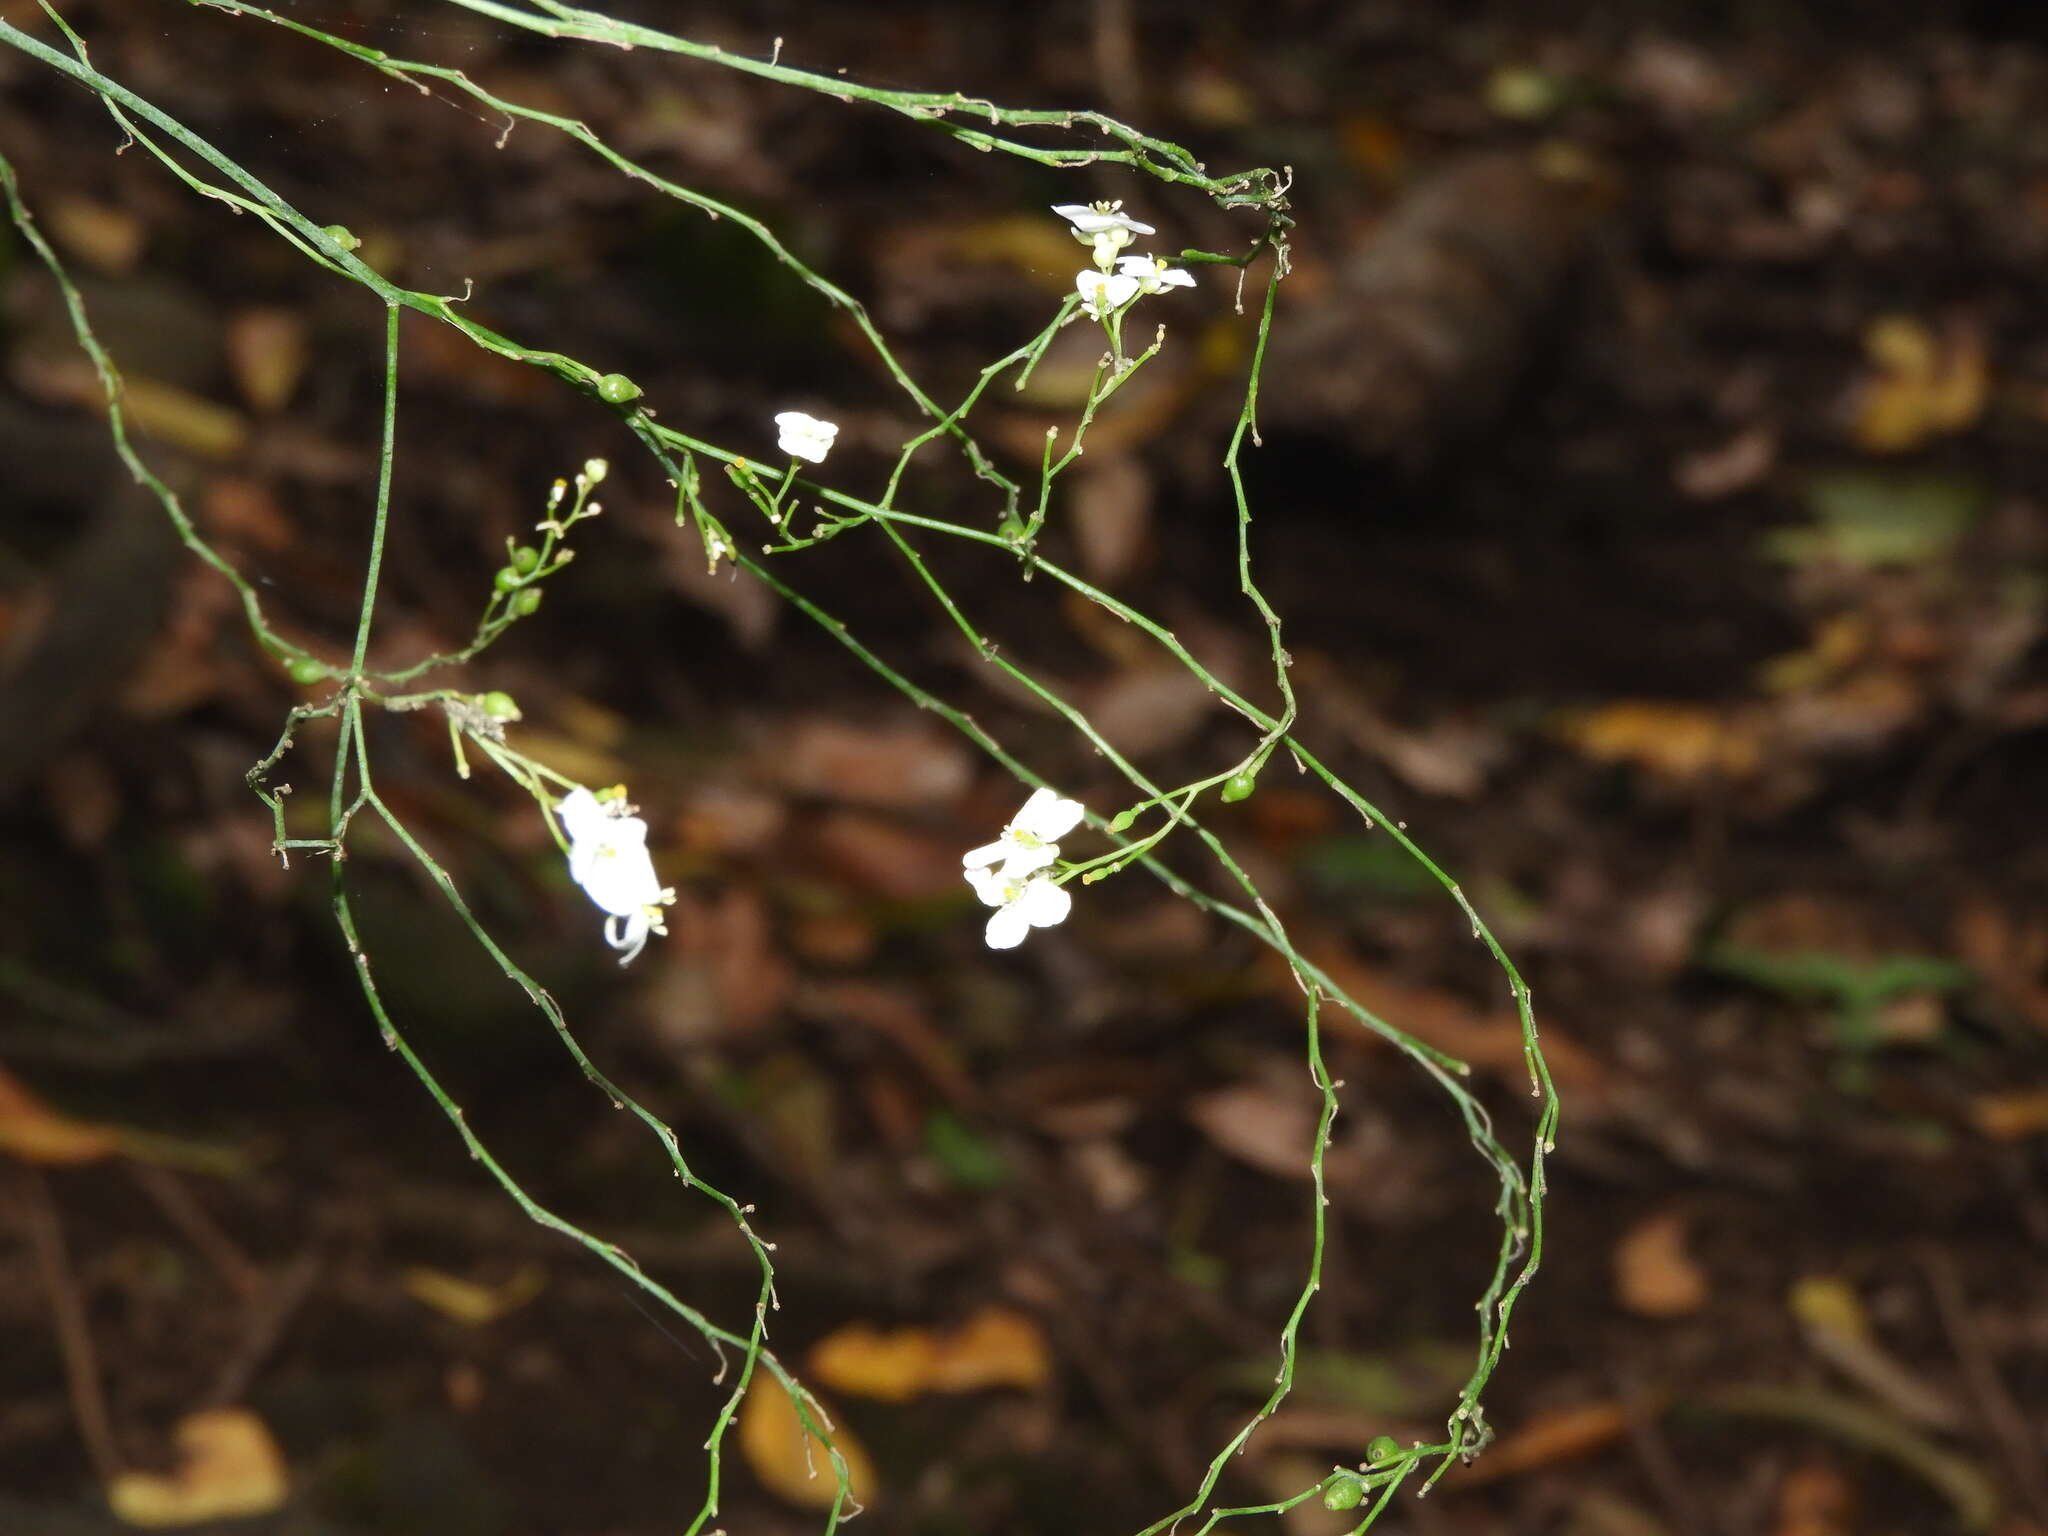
(1343, 1492)
(617, 389)
(595, 470)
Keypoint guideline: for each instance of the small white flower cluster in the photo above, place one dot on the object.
(608, 858)
(1009, 874)
(1116, 280)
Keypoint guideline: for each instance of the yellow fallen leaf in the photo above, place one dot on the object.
(1922, 386)
(1654, 1275)
(1676, 741)
(994, 1348)
(36, 1133)
(229, 1468)
(183, 419)
(104, 235)
(2011, 1116)
(465, 1300)
(267, 353)
(892, 1367)
(794, 1464)
(1828, 1304)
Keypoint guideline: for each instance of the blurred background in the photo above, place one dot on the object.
(1653, 482)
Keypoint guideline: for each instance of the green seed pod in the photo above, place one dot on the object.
(508, 579)
(526, 601)
(498, 705)
(341, 236)
(1344, 1492)
(617, 389)
(1382, 1448)
(1121, 821)
(305, 671)
(524, 559)
(1239, 786)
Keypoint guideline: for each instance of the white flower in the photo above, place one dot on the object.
(1022, 903)
(608, 858)
(1152, 274)
(805, 437)
(1103, 225)
(1092, 219)
(1103, 293)
(1031, 841)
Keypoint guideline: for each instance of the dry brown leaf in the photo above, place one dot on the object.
(1145, 709)
(1735, 466)
(102, 235)
(1681, 742)
(896, 1014)
(1815, 1500)
(2011, 956)
(1111, 511)
(1923, 386)
(1260, 1123)
(887, 859)
(267, 352)
(36, 1133)
(245, 511)
(794, 1464)
(468, 1302)
(1562, 1435)
(892, 1367)
(1654, 1276)
(163, 411)
(1489, 1040)
(229, 1468)
(996, 1347)
(901, 763)
(2011, 1116)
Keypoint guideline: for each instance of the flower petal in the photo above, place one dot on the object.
(629, 935)
(580, 814)
(1093, 221)
(1007, 928)
(1049, 817)
(991, 885)
(987, 853)
(1041, 903)
(1025, 860)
